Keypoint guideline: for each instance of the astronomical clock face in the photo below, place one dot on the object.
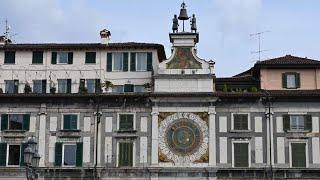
(183, 138)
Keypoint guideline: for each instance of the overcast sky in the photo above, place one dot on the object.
(224, 25)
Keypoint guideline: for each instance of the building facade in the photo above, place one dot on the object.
(125, 110)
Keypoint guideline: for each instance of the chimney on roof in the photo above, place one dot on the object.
(4, 40)
(105, 36)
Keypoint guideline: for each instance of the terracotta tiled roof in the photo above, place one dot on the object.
(87, 46)
(288, 60)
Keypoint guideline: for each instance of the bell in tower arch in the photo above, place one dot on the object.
(183, 12)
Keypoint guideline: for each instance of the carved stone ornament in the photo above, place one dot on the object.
(183, 139)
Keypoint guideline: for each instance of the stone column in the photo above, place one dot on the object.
(155, 136)
(42, 135)
(270, 137)
(212, 136)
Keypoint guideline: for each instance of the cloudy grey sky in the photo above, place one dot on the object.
(224, 25)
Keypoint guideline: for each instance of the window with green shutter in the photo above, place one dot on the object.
(291, 80)
(297, 122)
(37, 57)
(126, 122)
(14, 154)
(149, 61)
(70, 155)
(23, 147)
(58, 154)
(125, 61)
(240, 122)
(15, 122)
(128, 88)
(70, 122)
(298, 154)
(3, 154)
(79, 154)
(125, 153)
(132, 61)
(90, 57)
(9, 57)
(109, 62)
(4, 121)
(241, 154)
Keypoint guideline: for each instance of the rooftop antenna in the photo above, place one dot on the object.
(7, 33)
(259, 34)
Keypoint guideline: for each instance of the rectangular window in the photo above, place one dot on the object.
(39, 86)
(69, 154)
(16, 121)
(241, 154)
(64, 85)
(125, 153)
(62, 57)
(240, 122)
(139, 88)
(70, 121)
(141, 62)
(126, 122)
(37, 57)
(128, 88)
(298, 151)
(9, 57)
(118, 89)
(117, 61)
(11, 86)
(14, 155)
(91, 85)
(291, 80)
(297, 122)
(90, 57)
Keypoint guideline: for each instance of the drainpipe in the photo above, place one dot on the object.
(98, 114)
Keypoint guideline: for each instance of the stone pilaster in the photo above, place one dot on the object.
(155, 137)
(212, 136)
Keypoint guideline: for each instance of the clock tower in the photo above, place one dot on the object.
(183, 112)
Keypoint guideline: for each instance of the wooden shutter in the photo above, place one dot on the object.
(73, 122)
(58, 154)
(125, 62)
(23, 147)
(284, 80)
(82, 85)
(4, 121)
(133, 62)
(9, 57)
(128, 88)
(241, 158)
(308, 122)
(236, 122)
(125, 153)
(66, 122)
(109, 62)
(297, 77)
(149, 61)
(15, 86)
(97, 86)
(90, 57)
(69, 83)
(3, 154)
(286, 122)
(79, 154)
(37, 57)
(44, 86)
(70, 57)
(26, 122)
(298, 154)
(54, 58)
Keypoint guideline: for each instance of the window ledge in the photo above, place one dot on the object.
(240, 131)
(127, 131)
(70, 130)
(298, 131)
(14, 131)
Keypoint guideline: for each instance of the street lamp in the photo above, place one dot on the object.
(31, 158)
